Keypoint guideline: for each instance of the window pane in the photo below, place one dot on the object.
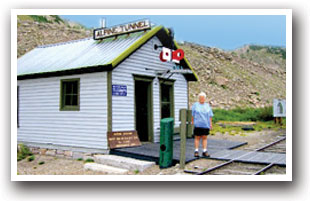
(74, 100)
(165, 110)
(165, 93)
(68, 87)
(67, 100)
(75, 87)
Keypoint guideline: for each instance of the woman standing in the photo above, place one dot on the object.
(202, 120)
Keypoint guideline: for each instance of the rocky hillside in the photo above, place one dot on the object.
(247, 77)
(250, 76)
(35, 30)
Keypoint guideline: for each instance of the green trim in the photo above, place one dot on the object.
(171, 83)
(81, 70)
(143, 78)
(150, 113)
(150, 108)
(62, 106)
(134, 46)
(109, 100)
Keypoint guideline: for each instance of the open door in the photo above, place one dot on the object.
(144, 109)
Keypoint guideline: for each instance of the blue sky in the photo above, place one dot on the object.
(223, 31)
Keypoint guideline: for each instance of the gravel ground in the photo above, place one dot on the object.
(64, 166)
(276, 170)
(52, 166)
(254, 139)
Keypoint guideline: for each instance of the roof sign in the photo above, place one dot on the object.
(107, 32)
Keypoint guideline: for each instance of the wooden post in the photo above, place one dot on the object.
(189, 126)
(183, 114)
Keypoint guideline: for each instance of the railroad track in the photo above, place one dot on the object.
(233, 167)
(279, 147)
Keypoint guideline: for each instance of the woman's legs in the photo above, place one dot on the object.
(197, 140)
(204, 142)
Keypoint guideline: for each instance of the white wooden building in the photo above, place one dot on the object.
(71, 94)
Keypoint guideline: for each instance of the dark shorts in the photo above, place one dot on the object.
(201, 131)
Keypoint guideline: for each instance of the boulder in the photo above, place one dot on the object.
(104, 168)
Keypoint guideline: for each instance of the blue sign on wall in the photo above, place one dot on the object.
(119, 90)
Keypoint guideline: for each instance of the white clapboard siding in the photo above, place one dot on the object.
(123, 117)
(41, 121)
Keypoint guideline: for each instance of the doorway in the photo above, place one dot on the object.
(144, 108)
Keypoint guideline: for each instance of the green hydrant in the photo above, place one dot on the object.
(166, 142)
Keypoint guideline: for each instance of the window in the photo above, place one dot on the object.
(166, 97)
(280, 108)
(69, 93)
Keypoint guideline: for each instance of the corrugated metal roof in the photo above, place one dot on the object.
(80, 54)
(75, 54)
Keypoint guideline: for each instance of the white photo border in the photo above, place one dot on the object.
(286, 12)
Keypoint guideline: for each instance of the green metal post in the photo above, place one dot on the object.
(166, 142)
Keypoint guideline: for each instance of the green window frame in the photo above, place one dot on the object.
(168, 84)
(70, 94)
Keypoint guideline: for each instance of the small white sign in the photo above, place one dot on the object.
(279, 108)
(166, 52)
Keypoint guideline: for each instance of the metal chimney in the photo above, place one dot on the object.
(102, 22)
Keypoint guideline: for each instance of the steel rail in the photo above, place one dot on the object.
(235, 159)
(221, 165)
(271, 144)
(263, 169)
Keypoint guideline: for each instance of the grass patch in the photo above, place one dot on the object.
(40, 18)
(30, 158)
(136, 171)
(246, 114)
(224, 130)
(79, 159)
(58, 19)
(23, 152)
(89, 160)
(237, 130)
(24, 17)
(41, 163)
